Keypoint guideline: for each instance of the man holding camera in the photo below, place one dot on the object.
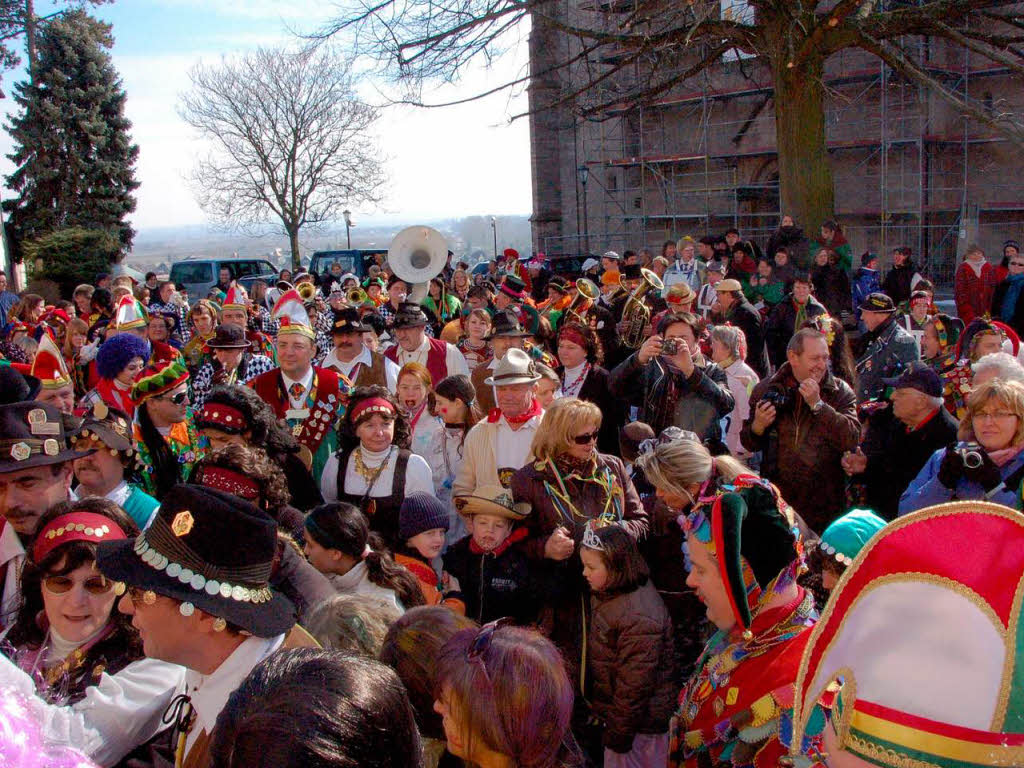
(804, 419)
(673, 384)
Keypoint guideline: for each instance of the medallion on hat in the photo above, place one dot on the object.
(32, 434)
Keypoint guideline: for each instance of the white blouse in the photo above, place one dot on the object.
(417, 475)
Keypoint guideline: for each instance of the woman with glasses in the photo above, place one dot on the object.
(988, 462)
(505, 699)
(568, 483)
(119, 361)
(67, 632)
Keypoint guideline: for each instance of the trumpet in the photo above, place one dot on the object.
(356, 297)
(586, 294)
(637, 315)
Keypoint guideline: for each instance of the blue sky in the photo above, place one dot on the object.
(456, 161)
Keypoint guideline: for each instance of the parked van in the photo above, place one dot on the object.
(354, 260)
(197, 275)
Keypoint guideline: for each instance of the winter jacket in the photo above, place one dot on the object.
(781, 326)
(566, 602)
(1015, 317)
(498, 583)
(972, 291)
(887, 350)
(630, 654)
(771, 293)
(925, 490)
(900, 282)
(667, 398)
(803, 448)
(832, 289)
(864, 284)
(430, 585)
(746, 318)
(896, 455)
(793, 240)
(839, 244)
(742, 380)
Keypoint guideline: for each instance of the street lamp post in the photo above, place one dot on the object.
(583, 173)
(348, 227)
(494, 230)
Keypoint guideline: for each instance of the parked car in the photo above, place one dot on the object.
(197, 275)
(354, 260)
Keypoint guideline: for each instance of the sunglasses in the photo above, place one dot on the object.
(60, 585)
(482, 641)
(177, 399)
(590, 437)
(1017, 263)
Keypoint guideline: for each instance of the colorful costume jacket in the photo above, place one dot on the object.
(315, 424)
(736, 709)
(956, 382)
(186, 444)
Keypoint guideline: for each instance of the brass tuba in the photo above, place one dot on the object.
(635, 314)
(587, 293)
(356, 297)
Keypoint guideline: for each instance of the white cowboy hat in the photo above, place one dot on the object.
(516, 367)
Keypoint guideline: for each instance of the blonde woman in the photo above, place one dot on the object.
(568, 484)
(988, 462)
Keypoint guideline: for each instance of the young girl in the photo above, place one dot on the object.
(455, 404)
(338, 545)
(630, 651)
(74, 341)
(474, 345)
(414, 390)
(422, 523)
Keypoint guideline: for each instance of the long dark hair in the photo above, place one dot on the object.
(166, 469)
(360, 715)
(343, 527)
(459, 387)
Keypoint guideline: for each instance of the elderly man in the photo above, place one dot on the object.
(804, 419)
(35, 474)
(901, 439)
(736, 310)
(500, 444)
(888, 347)
(440, 358)
(353, 359)
(506, 333)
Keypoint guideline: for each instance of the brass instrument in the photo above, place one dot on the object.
(635, 314)
(307, 291)
(356, 297)
(587, 293)
(417, 255)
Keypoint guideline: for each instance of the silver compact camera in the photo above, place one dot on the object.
(971, 456)
(670, 347)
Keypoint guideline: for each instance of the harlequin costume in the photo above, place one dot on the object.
(260, 343)
(730, 710)
(924, 633)
(313, 420)
(955, 374)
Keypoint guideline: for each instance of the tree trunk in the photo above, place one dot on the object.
(293, 242)
(806, 187)
(30, 39)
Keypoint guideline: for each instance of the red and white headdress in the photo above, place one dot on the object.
(290, 312)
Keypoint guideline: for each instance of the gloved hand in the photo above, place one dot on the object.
(987, 475)
(951, 469)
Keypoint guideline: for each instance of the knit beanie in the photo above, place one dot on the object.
(116, 352)
(421, 512)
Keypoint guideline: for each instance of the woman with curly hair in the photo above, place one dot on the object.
(237, 415)
(248, 473)
(374, 470)
(68, 632)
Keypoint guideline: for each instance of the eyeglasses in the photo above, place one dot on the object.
(177, 399)
(590, 437)
(60, 585)
(994, 415)
(482, 641)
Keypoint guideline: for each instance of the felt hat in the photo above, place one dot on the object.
(33, 434)
(16, 383)
(48, 365)
(506, 323)
(516, 367)
(727, 286)
(290, 312)
(410, 315)
(845, 537)
(716, 266)
(347, 320)
(492, 500)
(925, 631)
(130, 314)
(229, 336)
(680, 293)
(210, 550)
(513, 286)
(877, 302)
(235, 298)
(158, 378)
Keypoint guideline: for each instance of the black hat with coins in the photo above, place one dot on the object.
(33, 434)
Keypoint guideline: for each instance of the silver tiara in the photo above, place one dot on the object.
(590, 538)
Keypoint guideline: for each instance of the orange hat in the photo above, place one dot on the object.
(610, 278)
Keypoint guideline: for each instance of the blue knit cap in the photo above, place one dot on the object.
(421, 512)
(115, 353)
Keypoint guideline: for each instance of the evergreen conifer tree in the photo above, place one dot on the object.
(74, 158)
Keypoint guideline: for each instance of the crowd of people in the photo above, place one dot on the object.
(727, 505)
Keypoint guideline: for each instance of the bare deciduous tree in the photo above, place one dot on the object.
(627, 53)
(290, 141)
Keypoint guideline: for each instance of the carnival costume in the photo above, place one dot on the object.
(955, 375)
(731, 710)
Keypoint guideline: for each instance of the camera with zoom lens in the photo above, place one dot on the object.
(779, 396)
(670, 347)
(971, 456)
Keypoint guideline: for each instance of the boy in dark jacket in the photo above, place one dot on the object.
(494, 576)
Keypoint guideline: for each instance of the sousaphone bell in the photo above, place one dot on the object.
(417, 255)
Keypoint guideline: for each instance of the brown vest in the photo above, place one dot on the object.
(199, 755)
(376, 373)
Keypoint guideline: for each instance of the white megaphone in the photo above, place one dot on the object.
(417, 255)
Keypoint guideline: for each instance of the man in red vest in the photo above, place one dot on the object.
(440, 358)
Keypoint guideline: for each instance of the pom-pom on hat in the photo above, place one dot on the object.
(116, 352)
(159, 378)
